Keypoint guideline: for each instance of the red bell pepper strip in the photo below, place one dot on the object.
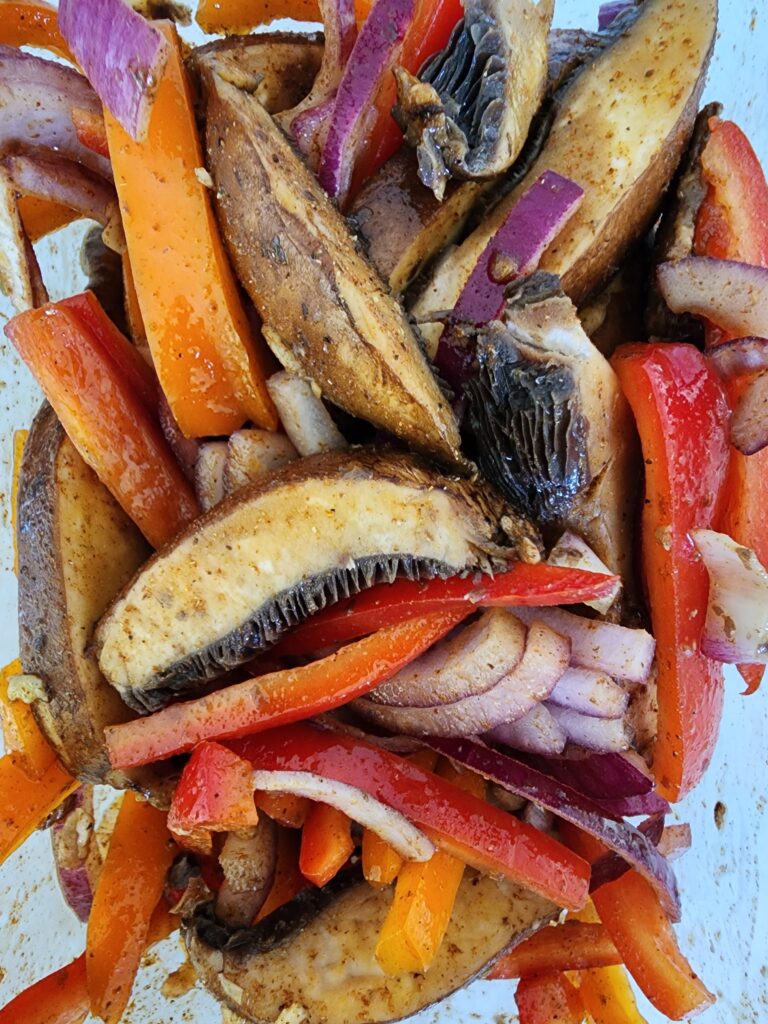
(129, 888)
(214, 794)
(548, 998)
(326, 843)
(473, 831)
(278, 697)
(571, 946)
(390, 603)
(633, 917)
(732, 224)
(83, 372)
(91, 130)
(26, 802)
(59, 998)
(682, 417)
(32, 23)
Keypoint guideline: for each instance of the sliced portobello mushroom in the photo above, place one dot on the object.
(327, 314)
(552, 428)
(325, 970)
(240, 576)
(620, 131)
(77, 549)
(468, 112)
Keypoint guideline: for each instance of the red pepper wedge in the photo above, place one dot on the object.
(129, 888)
(278, 697)
(214, 794)
(91, 130)
(571, 946)
(390, 603)
(548, 998)
(458, 822)
(83, 368)
(682, 416)
(633, 917)
(326, 843)
(59, 998)
(32, 23)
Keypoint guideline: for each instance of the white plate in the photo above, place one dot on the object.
(724, 883)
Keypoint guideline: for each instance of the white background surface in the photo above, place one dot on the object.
(724, 883)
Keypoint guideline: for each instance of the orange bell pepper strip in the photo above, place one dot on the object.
(26, 803)
(59, 998)
(467, 827)
(682, 416)
(19, 440)
(32, 23)
(131, 883)
(424, 897)
(289, 881)
(91, 130)
(209, 365)
(105, 416)
(133, 316)
(548, 998)
(214, 794)
(162, 923)
(278, 697)
(42, 216)
(571, 946)
(240, 16)
(608, 997)
(286, 809)
(381, 862)
(22, 734)
(633, 917)
(326, 843)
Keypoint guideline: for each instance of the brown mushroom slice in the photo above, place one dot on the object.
(325, 971)
(553, 430)
(619, 133)
(318, 530)
(327, 314)
(77, 549)
(468, 113)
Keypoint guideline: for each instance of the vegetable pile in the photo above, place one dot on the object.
(367, 545)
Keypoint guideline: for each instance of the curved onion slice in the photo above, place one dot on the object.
(37, 98)
(73, 851)
(536, 732)
(543, 662)
(566, 803)
(589, 693)
(600, 776)
(604, 735)
(572, 552)
(611, 866)
(736, 629)
(603, 646)
(739, 356)
(122, 54)
(749, 423)
(469, 662)
(732, 295)
(360, 806)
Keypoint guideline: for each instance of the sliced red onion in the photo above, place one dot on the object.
(37, 97)
(373, 55)
(543, 662)
(248, 860)
(72, 848)
(604, 735)
(742, 355)
(736, 628)
(409, 841)
(609, 12)
(566, 803)
(675, 840)
(69, 183)
(611, 866)
(122, 54)
(599, 776)
(749, 423)
(732, 295)
(310, 129)
(572, 552)
(536, 732)
(603, 646)
(471, 661)
(633, 806)
(590, 693)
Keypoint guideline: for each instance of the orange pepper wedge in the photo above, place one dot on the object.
(381, 862)
(129, 889)
(32, 23)
(326, 843)
(59, 998)
(222, 16)
(287, 809)
(608, 997)
(42, 216)
(26, 803)
(21, 732)
(571, 946)
(289, 881)
(206, 356)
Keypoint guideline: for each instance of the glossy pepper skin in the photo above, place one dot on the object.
(59, 998)
(732, 224)
(548, 998)
(682, 417)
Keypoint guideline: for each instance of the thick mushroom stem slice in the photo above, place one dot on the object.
(318, 530)
(329, 312)
(325, 971)
(619, 133)
(469, 113)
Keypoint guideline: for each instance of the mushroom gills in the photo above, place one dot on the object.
(238, 578)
